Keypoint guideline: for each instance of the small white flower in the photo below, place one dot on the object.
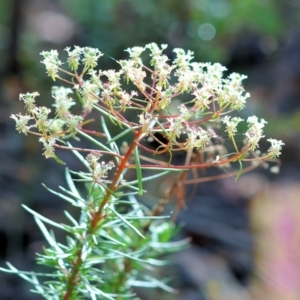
(133, 73)
(185, 113)
(62, 102)
(98, 170)
(21, 122)
(90, 57)
(74, 57)
(203, 139)
(156, 54)
(48, 146)
(145, 121)
(107, 95)
(185, 80)
(236, 80)
(275, 148)
(94, 78)
(182, 60)
(135, 53)
(231, 125)
(163, 71)
(214, 74)
(231, 93)
(192, 136)
(29, 100)
(89, 93)
(93, 158)
(176, 127)
(202, 99)
(41, 115)
(165, 97)
(72, 122)
(125, 98)
(51, 62)
(198, 137)
(255, 131)
(113, 78)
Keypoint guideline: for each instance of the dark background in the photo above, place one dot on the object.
(245, 236)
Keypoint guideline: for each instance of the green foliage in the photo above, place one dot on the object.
(113, 25)
(129, 240)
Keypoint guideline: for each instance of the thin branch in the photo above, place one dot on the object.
(87, 150)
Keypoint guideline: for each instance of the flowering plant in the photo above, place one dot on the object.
(116, 237)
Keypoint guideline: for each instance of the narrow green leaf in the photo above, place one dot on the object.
(113, 145)
(138, 170)
(131, 193)
(64, 197)
(140, 283)
(104, 112)
(94, 141)
(111, 239)
(46, 220)
(123, 133)
(47, 235)
(148, 178)
(71, 184)
(92, 295)
(72, 194)
(125, 221)
(13, 270)
(156, 262)
(121, 234)
(131, 256)
(74, 222)
(171, 246)
(62, 141)
(58, 160)
(136, 206)
(33, 280)
(98, 292)
(133, 187)
(83, 180)
(147, 217)
(80, 174)
(160, 284)
(51, 241)
(240, 172)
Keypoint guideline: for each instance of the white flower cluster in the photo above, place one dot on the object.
(86, 55)
(275, 149)
(48, 146)
(22, 123)
(209, 98)
(52, 63)
(255, 131)
(63, 123)
(204, 81)
(231, 125)
(98, 170)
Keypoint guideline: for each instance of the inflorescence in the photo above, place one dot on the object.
(208, 99)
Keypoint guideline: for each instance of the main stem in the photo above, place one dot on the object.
(122, 166)
(73, 277)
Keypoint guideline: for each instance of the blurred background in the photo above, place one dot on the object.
(245, 235)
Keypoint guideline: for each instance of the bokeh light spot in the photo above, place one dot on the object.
(219, 9)
(207, 31)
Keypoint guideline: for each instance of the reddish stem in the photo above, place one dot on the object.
(122, 166)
